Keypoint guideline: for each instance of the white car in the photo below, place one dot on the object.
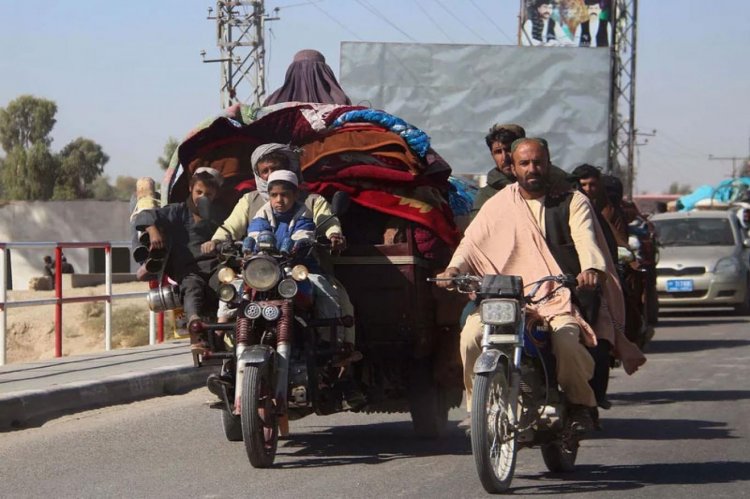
(704, 260)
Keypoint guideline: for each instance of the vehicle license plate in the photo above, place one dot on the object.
(679, 285)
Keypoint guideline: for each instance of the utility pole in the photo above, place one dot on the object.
(242, 53)
(622, 131)
(733, 159)
(638, 146)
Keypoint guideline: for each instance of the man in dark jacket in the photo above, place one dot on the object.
(498, 141)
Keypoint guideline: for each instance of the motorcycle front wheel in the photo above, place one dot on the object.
(260, 430)
(493, 441)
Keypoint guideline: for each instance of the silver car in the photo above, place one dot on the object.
(704, 260)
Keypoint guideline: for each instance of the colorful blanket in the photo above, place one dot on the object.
(378, 167)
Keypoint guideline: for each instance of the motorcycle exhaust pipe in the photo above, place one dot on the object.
(154, 265)
(144, 239)
(140, 253)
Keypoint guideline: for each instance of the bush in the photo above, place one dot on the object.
(129, 323)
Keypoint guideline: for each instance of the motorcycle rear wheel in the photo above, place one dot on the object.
(493, 441)
(260, 429)
(558, 459)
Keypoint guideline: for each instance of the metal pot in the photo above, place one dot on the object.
(164, 298)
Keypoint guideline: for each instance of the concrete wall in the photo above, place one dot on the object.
(64, 221)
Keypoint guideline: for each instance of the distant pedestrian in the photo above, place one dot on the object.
(65, 267)
(49, 267)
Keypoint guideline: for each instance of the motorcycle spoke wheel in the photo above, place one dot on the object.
(260, 430)
(493, 438)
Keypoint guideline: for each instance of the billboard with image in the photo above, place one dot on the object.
(566, 23)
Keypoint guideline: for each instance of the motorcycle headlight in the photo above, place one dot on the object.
(253, 311)
(728, 265)
(261, 273)
(300, 273)
(499, 312)
(226, 275)
(227, 292)
(287, 288)
(271, 313)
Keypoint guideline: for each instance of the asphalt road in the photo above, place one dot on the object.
(678, 428)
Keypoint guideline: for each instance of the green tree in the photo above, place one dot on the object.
(27, 120)
(101, 190)
(125, 187)
(677, 188)
(29, 169)
(169, 149)
(29, 174)
(81, 162)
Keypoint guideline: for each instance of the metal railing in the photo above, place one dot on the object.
(156, 321)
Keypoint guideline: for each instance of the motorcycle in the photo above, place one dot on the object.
(516, 401)
(284, 364)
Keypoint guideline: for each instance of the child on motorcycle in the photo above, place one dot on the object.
(287, 218)
(179, 227)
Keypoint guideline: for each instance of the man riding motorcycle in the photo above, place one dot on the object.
(331, 296)
(532, 231)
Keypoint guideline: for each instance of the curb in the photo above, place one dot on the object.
(24, 409)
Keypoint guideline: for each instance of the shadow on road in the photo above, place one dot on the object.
(673, 396)
(368, 444)
(664, 429)
(683, 346)
(596, 478)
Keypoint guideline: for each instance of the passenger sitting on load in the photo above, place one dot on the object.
(180, 225)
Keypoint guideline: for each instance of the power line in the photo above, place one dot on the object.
(298, 4)
(492, 21)
(377, 13)
(461, 21)
(427, 14)
(342, 25)
(682, 146)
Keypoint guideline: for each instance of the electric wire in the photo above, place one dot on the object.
(461, 21)
(377, 13)
(300, 4)
(679, 144)
(341, 25)
(492, 21)
(434, 22)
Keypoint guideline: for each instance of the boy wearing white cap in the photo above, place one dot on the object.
(283, 214)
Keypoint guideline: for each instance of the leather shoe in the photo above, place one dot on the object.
(465, 423)
(579, 419)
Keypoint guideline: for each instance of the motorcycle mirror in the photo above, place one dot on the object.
(340, 203)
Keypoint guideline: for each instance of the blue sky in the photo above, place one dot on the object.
(129, 74)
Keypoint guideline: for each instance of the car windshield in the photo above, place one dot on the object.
(694, 232)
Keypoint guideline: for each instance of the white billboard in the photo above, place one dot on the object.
(455, 93)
